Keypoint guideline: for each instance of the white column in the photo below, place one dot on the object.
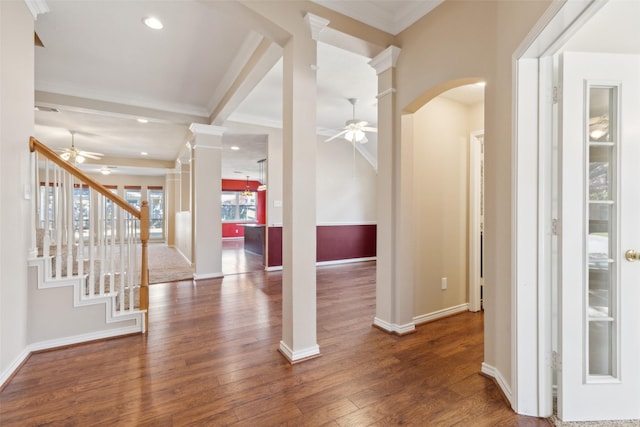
(394, 285)
(299, 335)
(206, 216)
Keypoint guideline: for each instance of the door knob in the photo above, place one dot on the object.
(631, 255)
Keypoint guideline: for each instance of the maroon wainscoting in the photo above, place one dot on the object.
(274, 245)
(333, 243)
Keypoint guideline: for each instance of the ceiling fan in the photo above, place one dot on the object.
(354, 130)
(72, 154)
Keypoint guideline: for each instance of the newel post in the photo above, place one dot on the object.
(144, 272)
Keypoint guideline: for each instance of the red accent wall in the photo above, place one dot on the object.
(235, 229)
(333, 242)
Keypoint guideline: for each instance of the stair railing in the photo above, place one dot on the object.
(85, 230)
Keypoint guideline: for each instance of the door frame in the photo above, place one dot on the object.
(475, 219)
(532, 221)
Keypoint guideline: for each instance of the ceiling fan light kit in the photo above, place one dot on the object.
(354, 130)
(74, 155)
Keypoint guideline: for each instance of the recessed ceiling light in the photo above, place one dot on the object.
(141, 120)
(153, 23)
(105, 171)
(234, 147)
(144, 153)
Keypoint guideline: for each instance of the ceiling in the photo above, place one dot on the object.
(101, 69)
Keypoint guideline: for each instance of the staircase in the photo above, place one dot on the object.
(89, 238)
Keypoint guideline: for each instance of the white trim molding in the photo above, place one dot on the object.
(386, 59)
(208, 276)
(492, 372)
(299, 355)
(199, 128)
(393, 328)
(37, 7)
(430, 317)
(316, 24)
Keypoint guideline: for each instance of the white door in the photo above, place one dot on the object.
(599, 295)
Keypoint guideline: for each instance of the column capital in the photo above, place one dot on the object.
(385, 59)
(201, 129)
(37, 7)
(316, 24)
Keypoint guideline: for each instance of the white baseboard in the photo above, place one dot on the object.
(325, 263)
(299, 355)
(429, 317)
(77, 339)
(207, 276)
(494, 373)
(66, 341)
(13, 367)
(344, 261)
(393, 328)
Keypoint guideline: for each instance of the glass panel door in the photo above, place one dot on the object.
(601, 232)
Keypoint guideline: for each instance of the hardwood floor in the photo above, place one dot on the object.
(210, 358)
(236, 260)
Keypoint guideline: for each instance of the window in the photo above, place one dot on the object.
(237, 206)
(156, 212)
(133, 196)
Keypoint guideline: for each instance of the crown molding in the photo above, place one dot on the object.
(37, 7)
(316, 24)
(386, 59)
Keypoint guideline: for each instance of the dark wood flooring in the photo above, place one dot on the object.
(210, 358)
(236, 260)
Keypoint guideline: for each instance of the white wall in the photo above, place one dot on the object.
(345, 190)
(16, 125)
(440, 182)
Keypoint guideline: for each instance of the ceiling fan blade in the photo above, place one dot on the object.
(364, 140)
(369, 129)
(90, 156)
(90, 152)
(336, 136)
(362, 124)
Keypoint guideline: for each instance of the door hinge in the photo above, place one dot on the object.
(556, 362)
(555, 227)
(555, 94)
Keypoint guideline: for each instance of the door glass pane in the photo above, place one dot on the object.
(601, 232)
(156, 213)
(600, 356)
(601, 102)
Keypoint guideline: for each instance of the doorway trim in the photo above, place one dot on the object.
(532, 198)
(475, 218)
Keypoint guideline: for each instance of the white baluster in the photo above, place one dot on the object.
(101, 242)
(92, 243)
(70, 223)
(57, 221)
(46, 240)
(80, 238)
(123, 269)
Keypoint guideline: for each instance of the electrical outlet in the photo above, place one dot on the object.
(444, 283)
